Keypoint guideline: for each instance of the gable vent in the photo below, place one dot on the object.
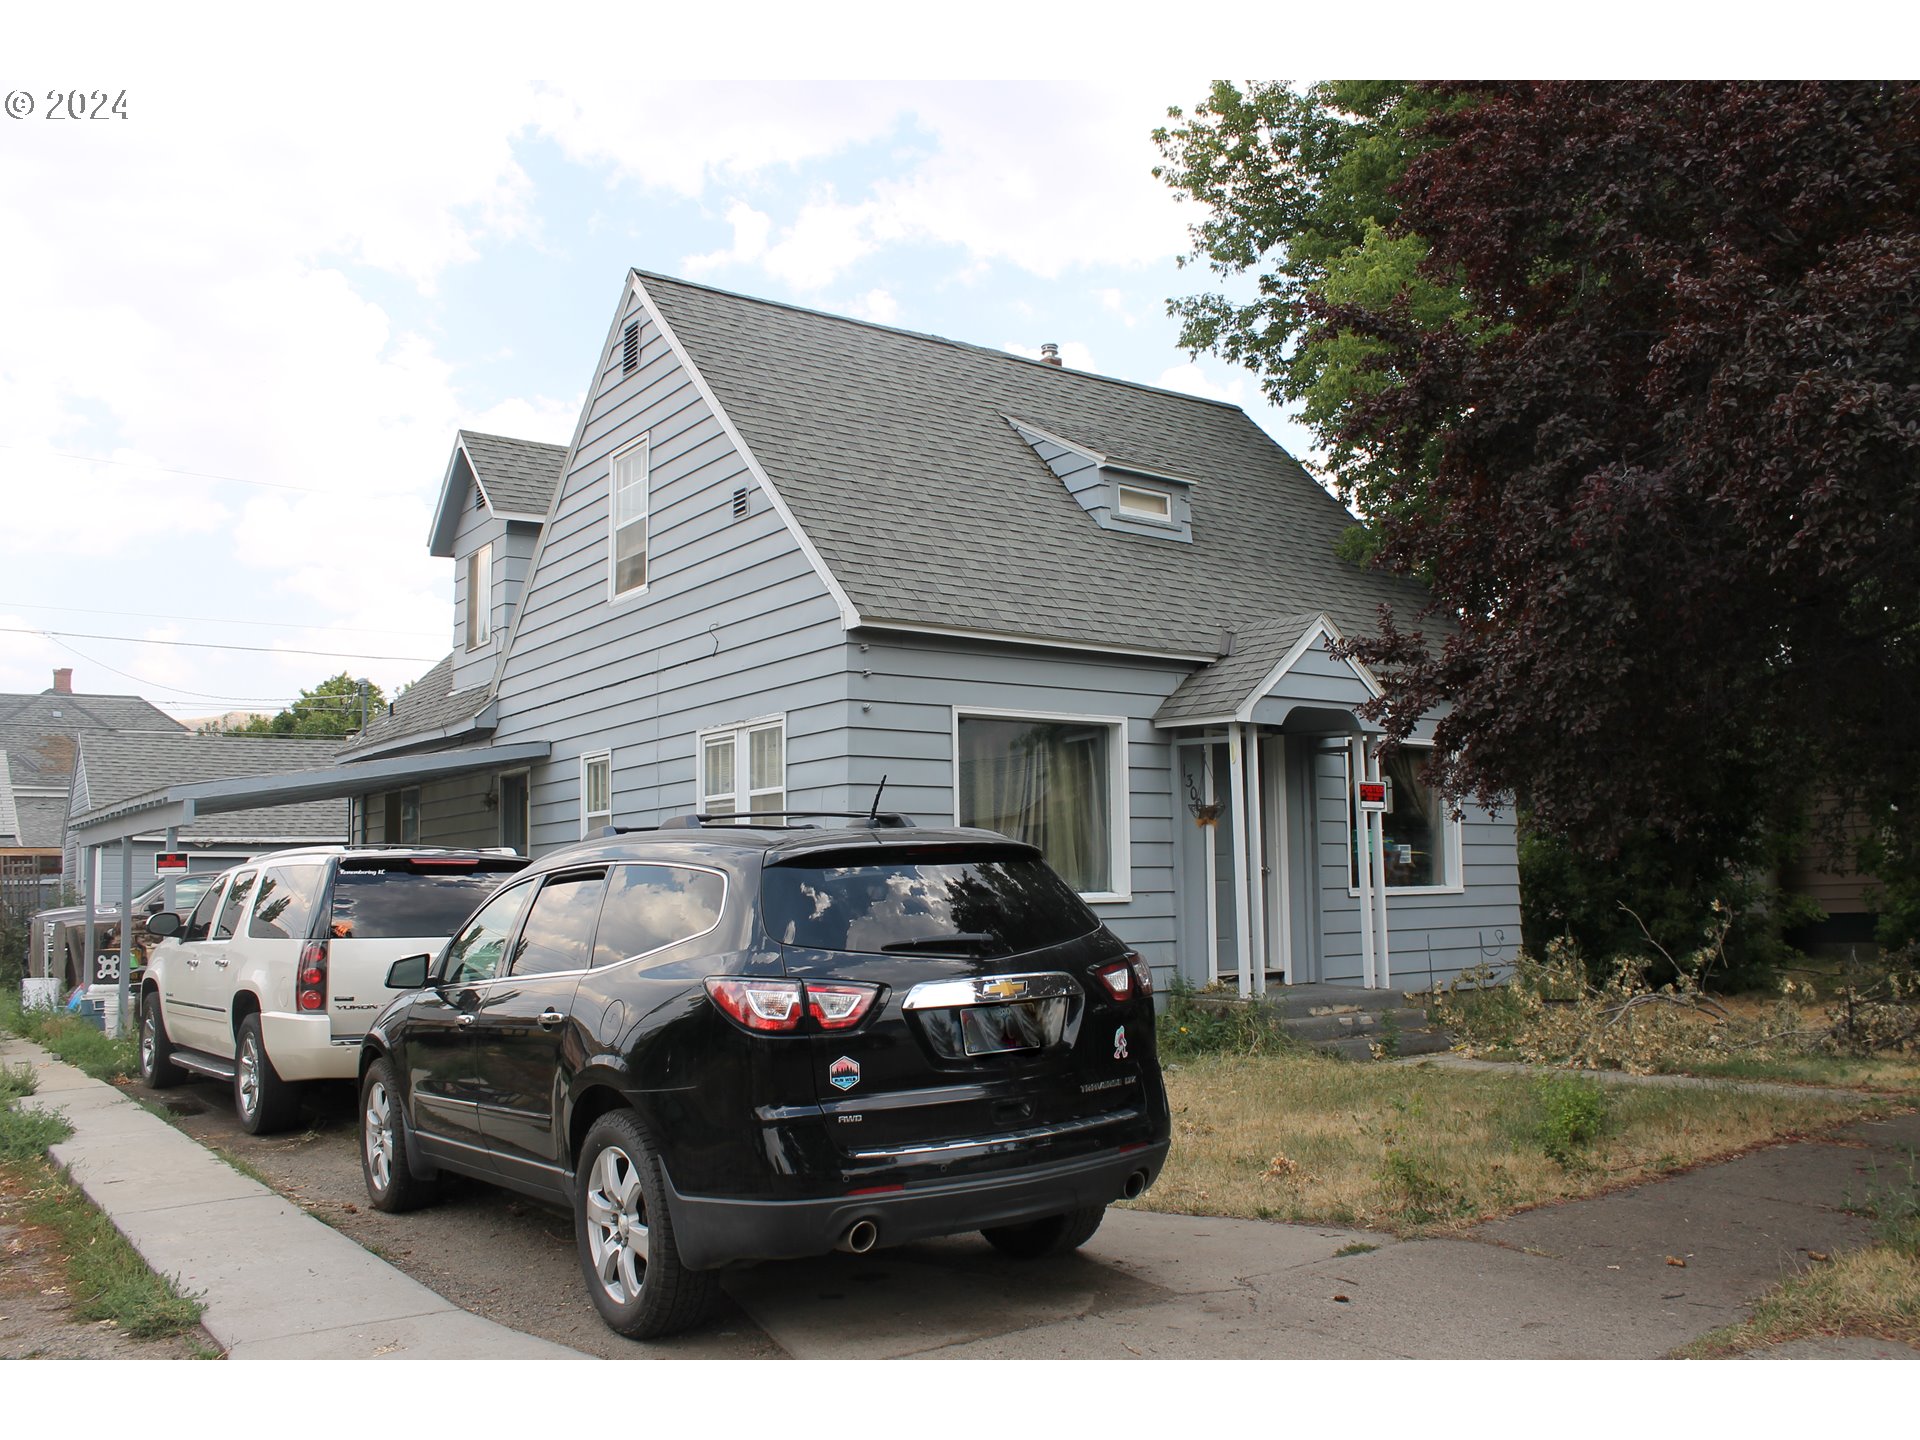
(630, 348)
(740, 504)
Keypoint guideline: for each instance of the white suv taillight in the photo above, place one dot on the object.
(310, 981)
(1126, 978)
(775, 1006)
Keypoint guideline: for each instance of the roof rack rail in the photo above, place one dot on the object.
(879, 820)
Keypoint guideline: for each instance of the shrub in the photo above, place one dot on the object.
(1186, 1028)
(1573, 1115)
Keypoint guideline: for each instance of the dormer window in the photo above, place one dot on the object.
(480, 596)
(1138, 503)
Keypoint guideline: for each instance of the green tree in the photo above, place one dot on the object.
(333, 707)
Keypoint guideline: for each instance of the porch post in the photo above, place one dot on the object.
(171, 884)
(1384, 966)
(1363, 862)
(126, 930)
(89, 892)
(1257, 906)
(1243, 929)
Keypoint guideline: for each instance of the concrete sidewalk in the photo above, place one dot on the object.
(277, 1284)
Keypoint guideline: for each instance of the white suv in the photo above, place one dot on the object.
(281, 967)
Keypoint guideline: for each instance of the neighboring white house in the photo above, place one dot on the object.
(790, 556)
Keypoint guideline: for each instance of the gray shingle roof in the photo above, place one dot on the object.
(1220, 688)
(519, 476)
(120, 765)
(9, 815)
(430, 706)
(894, 453)
(55, 712)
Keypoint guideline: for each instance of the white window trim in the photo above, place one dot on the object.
(1120, 491)
(586, 818)
(1456, 831)
(742, 761)
(480, 613)
(1120, 842)
(644, 445)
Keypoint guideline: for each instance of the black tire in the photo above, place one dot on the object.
(1055, 1235)
(391, 1184)
(625, 1236)
(264, 1102)
(156, 1051)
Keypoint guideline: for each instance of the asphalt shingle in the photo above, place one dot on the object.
(519, 476)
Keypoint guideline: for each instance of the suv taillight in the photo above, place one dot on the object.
(1126, 978)
(777, 1006)
(310, 981)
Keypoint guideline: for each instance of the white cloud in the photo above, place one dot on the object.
(1192, 379)
(750, 230)
(1116, 302)
(876, 305)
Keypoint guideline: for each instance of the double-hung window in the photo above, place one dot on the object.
(627, 525)
(1422, 839)
(744, 767)
(596, 792)
(479, 596)
(1055, 781)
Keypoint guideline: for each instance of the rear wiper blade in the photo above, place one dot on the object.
(959, 940)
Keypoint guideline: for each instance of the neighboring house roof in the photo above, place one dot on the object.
(430, 711)
(43, 820)
(894, 452)
(62, 711)
(516, 478)
(116, 766)
(9, 815)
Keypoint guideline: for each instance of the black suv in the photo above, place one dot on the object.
(719, 1042)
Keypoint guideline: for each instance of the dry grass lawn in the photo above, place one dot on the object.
(1416, 1150)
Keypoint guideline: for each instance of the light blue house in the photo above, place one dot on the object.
(789, 556)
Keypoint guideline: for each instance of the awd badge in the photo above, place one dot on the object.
(844, 1073)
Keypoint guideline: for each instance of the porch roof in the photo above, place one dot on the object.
(1263, 656)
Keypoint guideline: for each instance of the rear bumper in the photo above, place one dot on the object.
(712, 1232)
(301, 1047)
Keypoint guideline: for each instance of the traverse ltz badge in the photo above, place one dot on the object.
(844, 1073)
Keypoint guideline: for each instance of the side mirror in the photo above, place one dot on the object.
(409, 973)
(162, 925)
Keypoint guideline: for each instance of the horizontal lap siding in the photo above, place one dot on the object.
(734, 623)
(455, 812)
(901, 696)
(1429, 936)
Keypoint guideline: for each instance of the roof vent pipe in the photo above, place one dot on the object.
(1050, 354)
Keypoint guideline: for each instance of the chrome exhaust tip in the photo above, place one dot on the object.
(861, 1237)
(1135, 1186)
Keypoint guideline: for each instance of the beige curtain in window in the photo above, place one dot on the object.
(1044, 782)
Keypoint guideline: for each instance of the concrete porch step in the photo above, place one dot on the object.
(1348, 1020)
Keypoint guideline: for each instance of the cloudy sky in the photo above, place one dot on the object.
(242, 323)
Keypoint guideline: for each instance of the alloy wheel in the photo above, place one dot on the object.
(249, 1086)
(617, 1224)
(149, 1042)
(378, 1124)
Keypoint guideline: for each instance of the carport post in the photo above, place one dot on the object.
(168, 883)
(126, 926)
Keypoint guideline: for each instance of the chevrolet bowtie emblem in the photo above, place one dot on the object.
(1005, 989)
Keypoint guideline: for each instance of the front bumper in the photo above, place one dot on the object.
(712, 1232)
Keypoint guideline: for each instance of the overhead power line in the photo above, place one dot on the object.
(215, 620)
(210, 645)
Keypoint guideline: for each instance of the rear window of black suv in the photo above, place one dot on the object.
(974, 902)
(405, 899)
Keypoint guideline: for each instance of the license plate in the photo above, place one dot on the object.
(997, 1029)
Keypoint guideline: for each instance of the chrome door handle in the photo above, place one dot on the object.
(464, 1021)
(551, 1019)
(193, 964)
(221, 962)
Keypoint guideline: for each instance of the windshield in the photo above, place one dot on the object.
(978, 903)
